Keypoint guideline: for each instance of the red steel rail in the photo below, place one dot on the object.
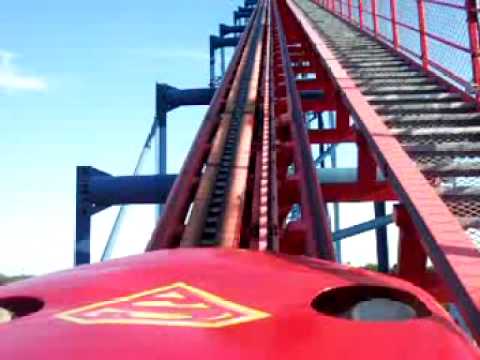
(311, 233)
(287, 181)
(168, 232)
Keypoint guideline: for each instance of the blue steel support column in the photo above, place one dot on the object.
(225, 30)
(336, 206)
(82, 220)
(161, 121)
(85, 208)
(167, 99)
(212, 61)
(217, 42)
(321, 148)
(382, 239)
(222, 61)
(97, 190)
(161, 150)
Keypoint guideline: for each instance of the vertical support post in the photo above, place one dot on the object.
(374, 17)
(472, 18)
(83, 214)
(412, 259)
(360, 14)
(161, 109)
(336, 205)
(212, 61)
(341, 7)
(342, 122)
(321, 148)
(394, 20)
(222, 61)
(161, 149)
(367, 166)
(422, 24)
(382, 238)
(349, 6)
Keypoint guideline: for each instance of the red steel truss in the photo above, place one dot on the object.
(427, 226)
(296, 59)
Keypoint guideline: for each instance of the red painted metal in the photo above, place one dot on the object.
(394, 23)
(289, 328)
(313, 228)
(331, 136)
(473, 31)
(367, 166)
(374, 14)
(360, 13)
(412, 259)
(459, 82)
(355, 192)
(267, 230)
(170, 227)
(234, 225)
(422, 24)
(442, 236)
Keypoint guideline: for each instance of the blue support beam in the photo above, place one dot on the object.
(218, 42)
(84, 210)
(382, 239)
(97, 190)
(242, 14)
(225, 30)
(361, 228)
(105, 191)
(169, 98)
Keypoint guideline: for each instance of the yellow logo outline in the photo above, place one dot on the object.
(244, 313)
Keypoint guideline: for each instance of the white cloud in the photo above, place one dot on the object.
(11, 78)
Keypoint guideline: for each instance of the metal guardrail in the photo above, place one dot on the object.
(442, 35)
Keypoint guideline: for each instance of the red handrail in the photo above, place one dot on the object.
(426, 34)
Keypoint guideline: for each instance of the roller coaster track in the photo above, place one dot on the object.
(419, 131)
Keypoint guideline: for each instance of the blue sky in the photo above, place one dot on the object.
(77, 86)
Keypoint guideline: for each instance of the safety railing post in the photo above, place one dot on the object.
(340, 2)
(472, 18)
(393, 13)
(374, 17)
(360, 14)
(349, 6)
(422, 24)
